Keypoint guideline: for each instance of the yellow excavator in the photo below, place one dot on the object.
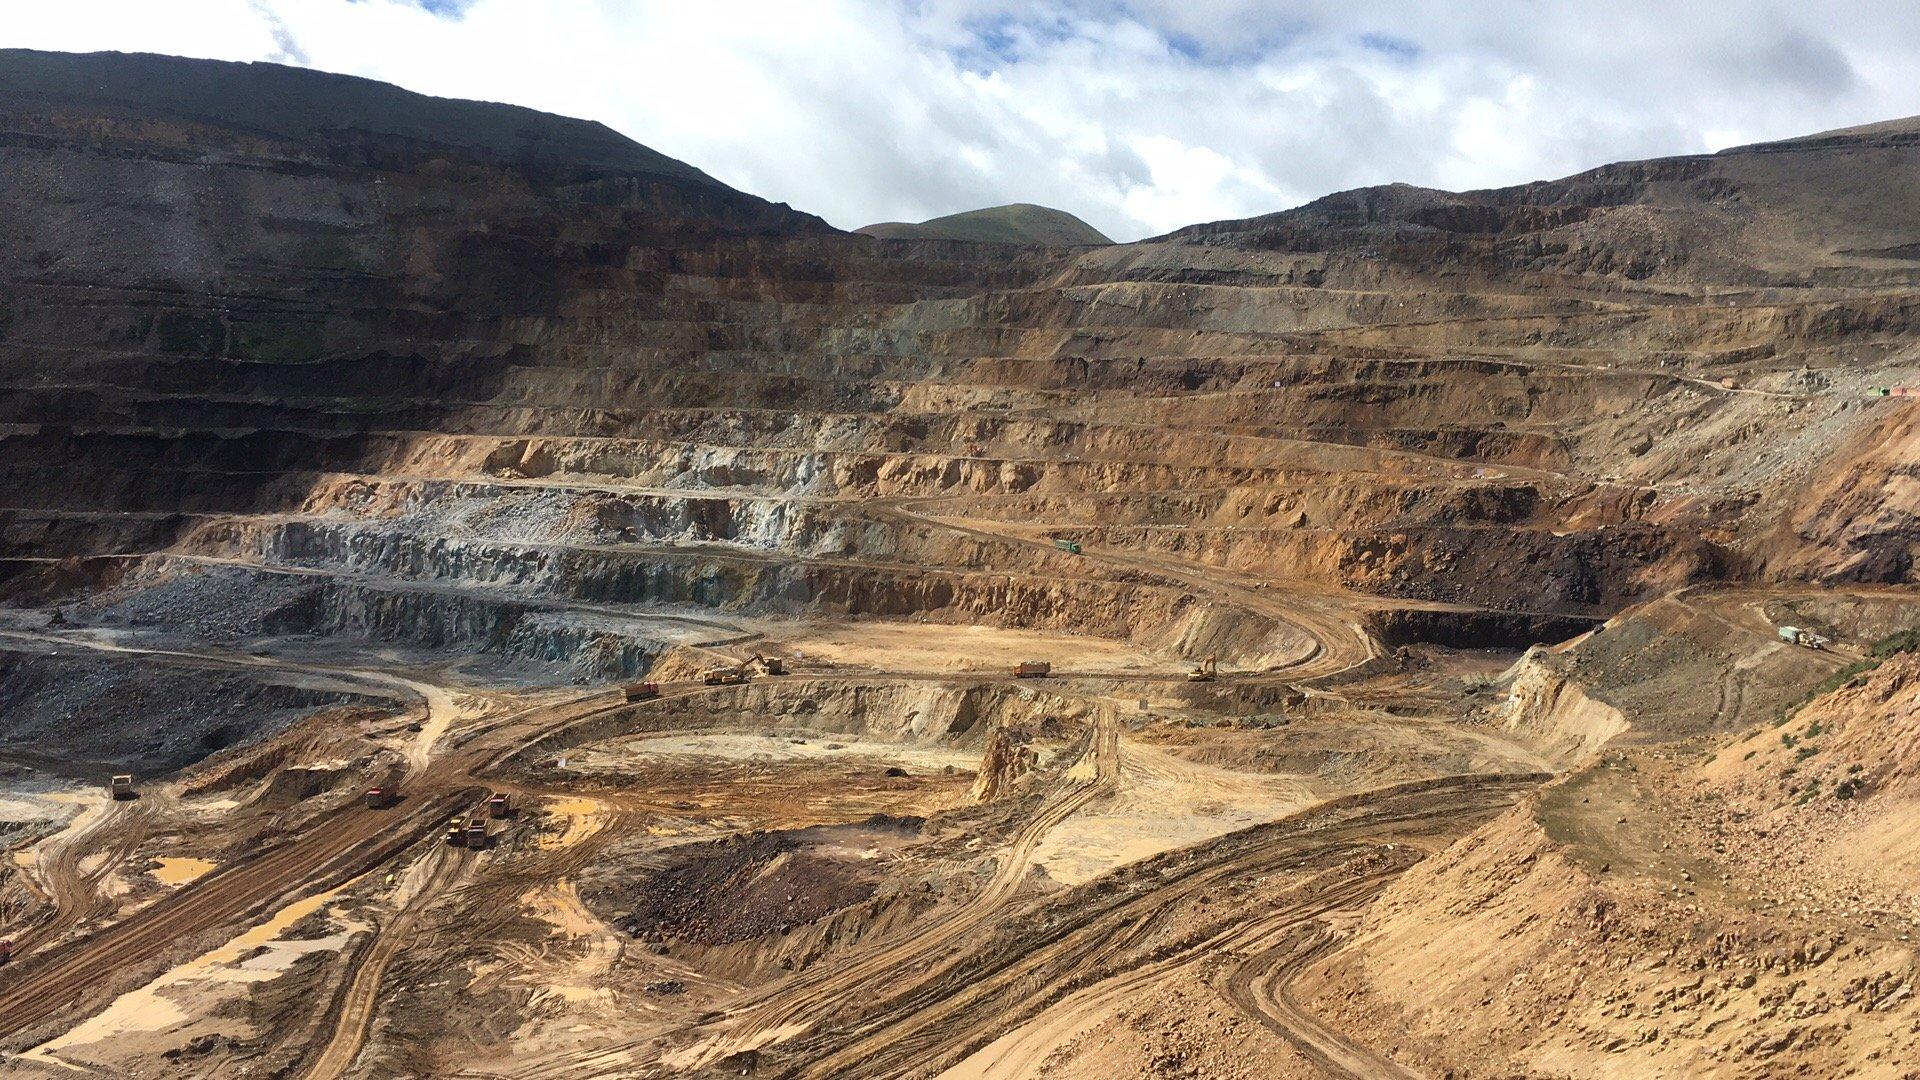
(737, 674)
(1208, 670)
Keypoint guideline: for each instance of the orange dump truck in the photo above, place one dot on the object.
(640, 691)
(1032, 669)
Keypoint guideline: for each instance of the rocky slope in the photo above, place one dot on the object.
(1657, 914)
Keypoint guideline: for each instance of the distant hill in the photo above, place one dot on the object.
(1018, 223)
(1840, 204)
(322, 109)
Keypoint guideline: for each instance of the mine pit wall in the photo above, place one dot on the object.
(1597, 569)
(171, 378)
(1314, 500)
(1394, 627)
(577, 324)
(899, 712)
(522, 633)
(44, 534)
(1149, 615)
(1860, 520)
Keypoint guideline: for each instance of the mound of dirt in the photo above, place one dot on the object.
(747, 886)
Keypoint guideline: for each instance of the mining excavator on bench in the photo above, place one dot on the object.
(732, 676)
(1208, 670)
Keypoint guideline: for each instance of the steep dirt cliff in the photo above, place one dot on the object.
(1661, 915)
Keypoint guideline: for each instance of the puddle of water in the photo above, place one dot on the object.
(178, 870)
(156, 1006)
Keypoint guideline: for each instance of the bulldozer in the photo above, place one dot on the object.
(1208, 670)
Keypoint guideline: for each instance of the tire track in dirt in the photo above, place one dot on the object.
(1022, 1052)
(1105, 931)
(75, 974)
(1259, 986)
(77, 978)
(74, 893)
(358, 1006)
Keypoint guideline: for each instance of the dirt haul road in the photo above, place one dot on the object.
(72, 865)
(75, 974)
(78, 976)
(354, 1016)
(1348, 849)
(1001, 973)
(1340, 644)
(1260, 988)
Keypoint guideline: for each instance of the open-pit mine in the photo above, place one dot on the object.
(480, 598)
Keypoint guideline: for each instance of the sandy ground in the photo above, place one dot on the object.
(1161, 802)
(898, 646)
(797, 747)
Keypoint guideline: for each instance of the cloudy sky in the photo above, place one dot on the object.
(1138, 115)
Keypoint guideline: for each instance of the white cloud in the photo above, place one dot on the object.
(1139, 115)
